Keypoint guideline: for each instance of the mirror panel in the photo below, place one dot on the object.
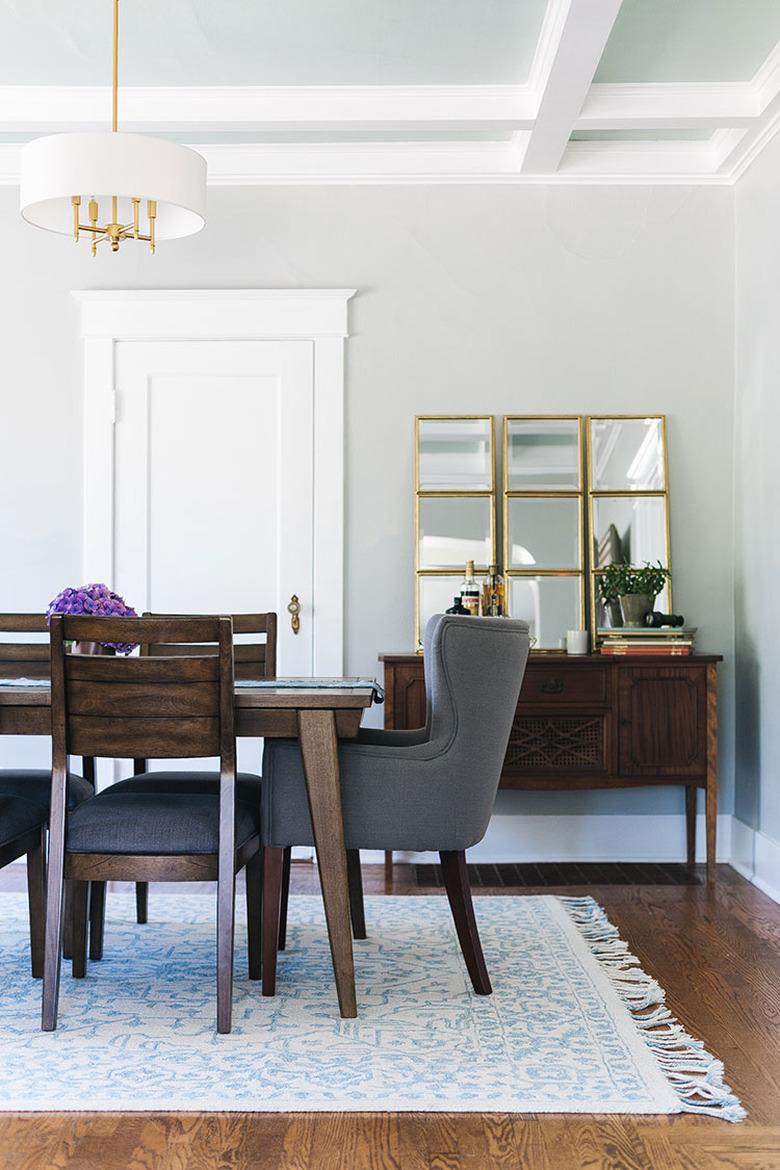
(454, 454)
(550, 605)
(629, 529)
(454, 529)
(627, 455)
(434, 595)
(543, 532)
(542, 454)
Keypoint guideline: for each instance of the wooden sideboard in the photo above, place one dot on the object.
(600, 721)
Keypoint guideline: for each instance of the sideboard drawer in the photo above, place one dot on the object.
(564, 683)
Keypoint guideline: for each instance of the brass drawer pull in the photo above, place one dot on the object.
(294, 609)
(551, 686)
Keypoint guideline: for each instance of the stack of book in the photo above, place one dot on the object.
(650, 640)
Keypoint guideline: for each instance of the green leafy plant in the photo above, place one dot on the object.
(620, 580)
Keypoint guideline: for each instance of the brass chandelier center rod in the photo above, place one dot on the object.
(114, 231)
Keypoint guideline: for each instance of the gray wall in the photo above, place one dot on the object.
(471, 299)
(757, 493)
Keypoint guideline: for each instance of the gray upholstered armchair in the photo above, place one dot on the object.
(433, 793)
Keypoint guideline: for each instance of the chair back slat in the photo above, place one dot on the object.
(159, 739)
(158, 707)
(24, 659)
(253, 660)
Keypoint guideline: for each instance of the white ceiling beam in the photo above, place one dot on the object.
(42, 109)
(573, 39)
(669, 107)
(683, 159)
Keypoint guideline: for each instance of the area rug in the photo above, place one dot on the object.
(573, 1026)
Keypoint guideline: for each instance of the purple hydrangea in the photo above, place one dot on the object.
(94, 601)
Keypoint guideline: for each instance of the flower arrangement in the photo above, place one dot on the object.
(94, 600)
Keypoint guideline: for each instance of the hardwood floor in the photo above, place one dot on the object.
(717, 953)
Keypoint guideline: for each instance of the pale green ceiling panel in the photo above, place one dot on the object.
(271, 42)
(690, 40)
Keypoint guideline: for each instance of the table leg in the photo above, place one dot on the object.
(319, 748)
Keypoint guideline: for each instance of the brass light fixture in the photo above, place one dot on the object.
(127, 172)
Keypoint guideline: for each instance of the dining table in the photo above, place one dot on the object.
(317, 712)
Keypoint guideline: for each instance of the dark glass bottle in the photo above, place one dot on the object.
(458, 607)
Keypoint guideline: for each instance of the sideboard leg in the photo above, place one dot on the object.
(691, 792)
(712, 771)
(388, 865)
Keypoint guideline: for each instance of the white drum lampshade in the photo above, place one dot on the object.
(106, 164)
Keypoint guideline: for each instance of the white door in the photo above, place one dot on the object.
(213, 481)
(213, 509)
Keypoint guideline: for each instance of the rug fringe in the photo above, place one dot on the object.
(695, 1075)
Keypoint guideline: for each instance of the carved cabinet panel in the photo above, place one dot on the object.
(662, 720)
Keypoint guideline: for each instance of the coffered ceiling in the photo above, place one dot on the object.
(504, 91)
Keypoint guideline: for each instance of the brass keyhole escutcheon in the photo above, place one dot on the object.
(294, 610)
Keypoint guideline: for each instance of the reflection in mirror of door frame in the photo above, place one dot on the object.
(577, 494)
(627, 493)
(426, 493)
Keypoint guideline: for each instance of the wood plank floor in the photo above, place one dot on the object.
(718, 956)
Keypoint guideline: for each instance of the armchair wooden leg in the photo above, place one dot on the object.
(356, 907)
(690, 822)
(36, 897)
(97, 918)
(456, 882)
(142, 902)
(80, 915)
(254, 912)
(273, 865)
(285, 901)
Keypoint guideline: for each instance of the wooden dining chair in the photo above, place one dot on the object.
(253, 659)
(23, 833)
(26, 659)
(157, 707)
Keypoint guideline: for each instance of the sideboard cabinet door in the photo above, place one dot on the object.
(405, 701)
(662, 720)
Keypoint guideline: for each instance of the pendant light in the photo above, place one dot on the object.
(153, 189)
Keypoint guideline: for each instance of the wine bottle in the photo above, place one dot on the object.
(470, 592)
(493, 594)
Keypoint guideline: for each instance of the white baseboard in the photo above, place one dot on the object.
(756, 857)
(585, 838)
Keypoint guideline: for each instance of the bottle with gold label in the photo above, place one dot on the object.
(470, 591)
(493, 594)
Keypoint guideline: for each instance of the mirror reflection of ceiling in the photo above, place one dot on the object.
(271, 42)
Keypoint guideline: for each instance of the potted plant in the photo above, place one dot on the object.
(93, 601)
(634, 589)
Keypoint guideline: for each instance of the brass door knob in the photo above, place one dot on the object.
(294, 610)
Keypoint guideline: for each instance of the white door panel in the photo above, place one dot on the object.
(214, 483)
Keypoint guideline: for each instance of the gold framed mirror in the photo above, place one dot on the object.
(455, 507)
(628, 504)
(543, 525)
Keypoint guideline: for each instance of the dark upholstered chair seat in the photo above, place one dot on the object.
(158, 823)
(18, 816)
(248, 786)
(34, 785)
